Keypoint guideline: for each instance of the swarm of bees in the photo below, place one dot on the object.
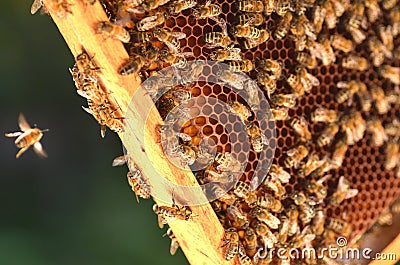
(330, 70)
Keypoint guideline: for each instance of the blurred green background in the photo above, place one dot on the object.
(73, 207)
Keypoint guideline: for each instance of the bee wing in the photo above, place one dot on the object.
(222, 24)
(178, 35)
(23, 124)
(325, 178)
(36, 5)
(119, 161)
(174, 246)
(343, 184)
(14, 134)
(102, 130)
(186, 54)
(351, 193)
(38, 148)
(313, 79)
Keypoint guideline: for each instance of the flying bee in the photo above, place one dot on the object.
(250, 19)
(390, 72)
(178, 6)
(318, 222)
(227, 162)
(264, 216)
(355, 62)
(269, 65)
(174, 242)
(28, 137)
(245, 31)
(218, 39)
(348, 89)
(251, 43)
(113, 31)
(167, 214)
(238, 218)
(241, 65)
(324, 115)
(59, 7)
(171, 39)
(327, 134)
(284, 100)
(269, 202)
(231, 243)
(250, 6)
(341, 43)
(381, 103)
(306, 60)
(295, 155)
(223, 54)
(343, 192)
(239, 109)
(317, 187)
(267, 81)
(312, 164)
(151, 22)
(338, 226)
(207, 11)
(243, 191)
(250, 239)
(300, 127)
(392, 154)
(133, 65)
(279, 113)
(257, 139)
(338, 153)
(379, 136)
(283, 26)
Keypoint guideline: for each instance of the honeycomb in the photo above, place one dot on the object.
(363, 164)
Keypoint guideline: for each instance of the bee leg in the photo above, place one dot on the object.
(20, 152)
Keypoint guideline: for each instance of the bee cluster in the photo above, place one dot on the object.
(331, 72)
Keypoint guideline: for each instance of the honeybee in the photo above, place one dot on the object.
(338, 153)
(58, 7)
(322, 50)
(390, 72)
(250, 239)
(296, 85)
(243, 258)
(306, 60)
(28, 137)
(373, 10)
(227, 162)
(141, 36)
(174, 242)
(307, 80)
(304, 239)
(226, 54)
(241, 65)
(318, 17)
(218, 39)
(267, 81)
(341, 43)
(343, 192)
(133, 65)
(300, 126)
(283, 26)
(257, 139)
(283, 230)
(312, 164)
(245, 31)
(236, 80)
(365, 98)
(318, 222)
(113, 31)
(357, 34)
(261, 228)
(282, 7)
(381, 103)
(177, 59)
(224, 197)
(379, 136)
(338, 226)
(192, 75)
(251, 43)
(393, 128)
(237, 217)
(250, 6)
(187, 155)
(354, 127)
(269, 202)
(243, 191)
(295, 155)
(250, 19)
(276, 172)
(348, 89)
(171, 39)
(355, 62)
(86, 66)
(306, 213)
(317, 187)
(239, 109)
(168, 214)
(264, 216)
(284, 100)
(138, 184)
(231, 240)
(207, 11)
(327, 134)
(392, 154)
(324, 115)
(293, 215)
(279, 113)
(178, 6)
(378, 51)
(152, 21)
(272, 66)
(393, 97)
(388, 4)
(330, 16)
(276, 186)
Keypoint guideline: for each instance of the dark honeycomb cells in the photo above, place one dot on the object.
(362, 164)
